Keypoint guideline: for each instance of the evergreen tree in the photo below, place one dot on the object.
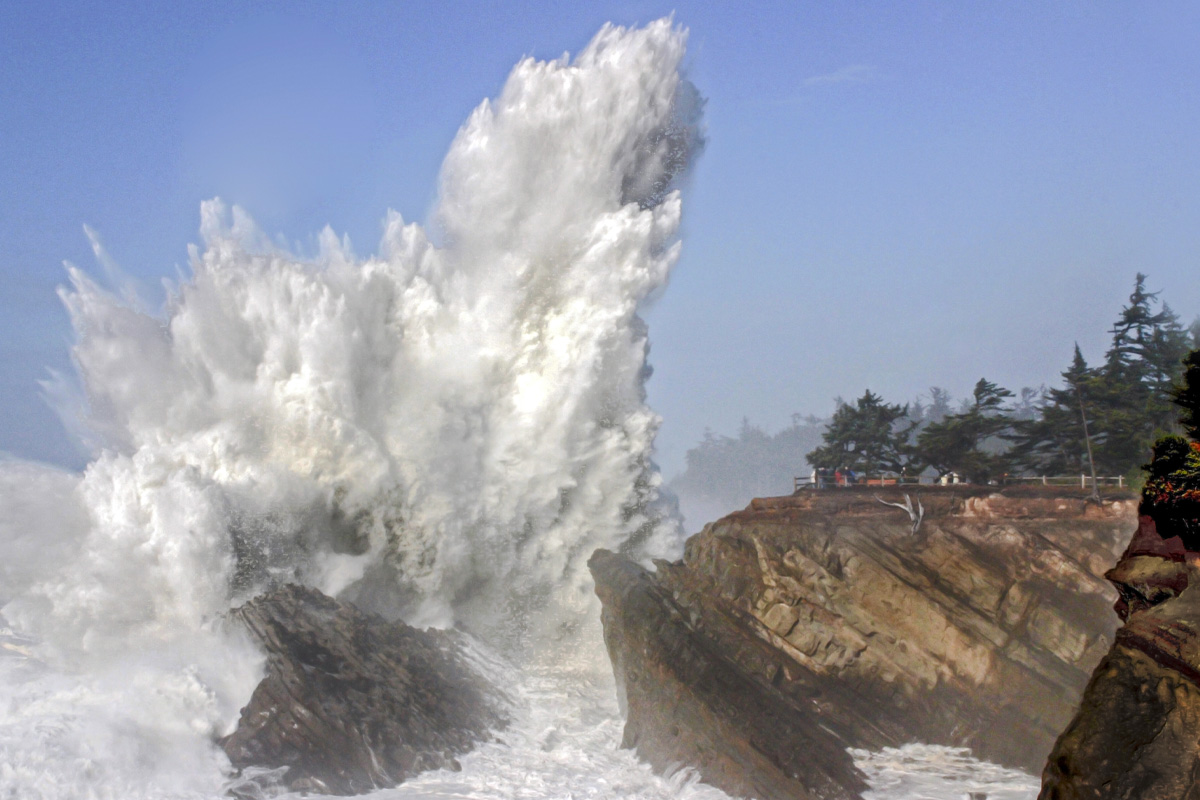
(1134, 331)
(725, 472)
(1194, 334)
(1167, 348)
(1029, 403)
(971, 442)
(1126, 400)
(1129, 398)
(1187, 395)
(939, 406)
(865, 437)
(1053, 443)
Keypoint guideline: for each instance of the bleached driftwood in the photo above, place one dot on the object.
(916, 515)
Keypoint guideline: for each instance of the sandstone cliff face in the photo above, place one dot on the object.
(688, 702)
(351, 702)
(979, 629)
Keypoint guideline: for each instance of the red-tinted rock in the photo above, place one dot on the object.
(1136, 733)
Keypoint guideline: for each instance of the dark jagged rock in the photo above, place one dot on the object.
(1137, 731)
(351, 702)
(1135, 737)
(804, 625)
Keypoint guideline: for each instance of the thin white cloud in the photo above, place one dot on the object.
(855, 73)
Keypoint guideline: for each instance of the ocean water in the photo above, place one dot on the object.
(442, 431)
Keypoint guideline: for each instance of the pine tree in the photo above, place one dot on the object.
(725, 472)
(865, 437)
(1134, 331)
(1053, 443)
(1167, 348)
(1193, 333)
(1187, 396)
(1130, 395)
(939, 403)
(1029, 403)
(972, 442)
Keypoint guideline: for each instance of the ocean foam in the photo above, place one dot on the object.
(444, 431)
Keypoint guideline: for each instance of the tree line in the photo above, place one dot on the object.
(1115, 410)
(729, 471)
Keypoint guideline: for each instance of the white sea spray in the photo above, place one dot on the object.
(442, 432)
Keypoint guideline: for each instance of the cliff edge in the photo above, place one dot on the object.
(804, 625)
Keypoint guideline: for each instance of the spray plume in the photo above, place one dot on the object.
(434, 430)
(443, 432)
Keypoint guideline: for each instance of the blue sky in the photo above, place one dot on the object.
(894, 195)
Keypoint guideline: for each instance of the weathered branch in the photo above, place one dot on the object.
(916, 515)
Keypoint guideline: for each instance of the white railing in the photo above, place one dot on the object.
(1082, 481)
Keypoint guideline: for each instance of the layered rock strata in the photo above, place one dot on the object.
(351, 702)
(808, 624)
(688, 703)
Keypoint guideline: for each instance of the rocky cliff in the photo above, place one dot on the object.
(805, 625)
(1137, 731)
(351, 702)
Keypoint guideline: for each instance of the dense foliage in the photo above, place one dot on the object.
(1119, 406)
(1114, 410)
(1171, 494)
(865, 437)
(959, 443)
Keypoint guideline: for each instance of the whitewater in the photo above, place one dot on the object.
(441, 432)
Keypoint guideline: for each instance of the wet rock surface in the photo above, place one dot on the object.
(351, 702)
(807, 624)
(689, 703)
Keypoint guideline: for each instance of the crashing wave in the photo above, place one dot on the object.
(443, 431)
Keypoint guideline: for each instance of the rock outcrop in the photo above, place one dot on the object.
(351, 702)
(687, 702)
(1137, 731)
(808, 624)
